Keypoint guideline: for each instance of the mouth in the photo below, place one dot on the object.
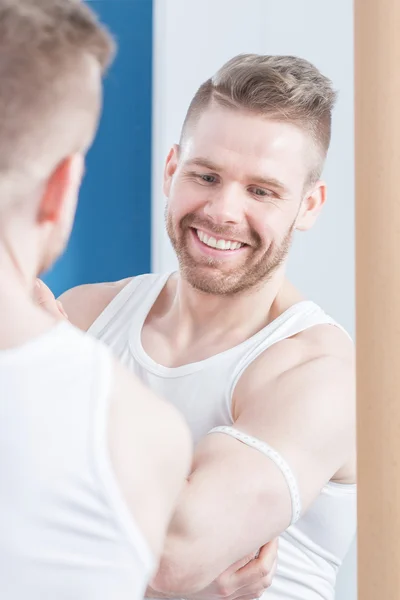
(215, 246)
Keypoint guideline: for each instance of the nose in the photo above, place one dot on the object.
(225, 206)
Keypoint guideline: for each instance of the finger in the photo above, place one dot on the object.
(274, 568)
(225, 584)
(42, 293)
(240, 564)
(249, 596)
(61, 309)
(267, 556)
(44, 297)
(255, 590)
(251, 592)
(259, 568)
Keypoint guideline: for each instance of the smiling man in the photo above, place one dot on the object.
(264, 377)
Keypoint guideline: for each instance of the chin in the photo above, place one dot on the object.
(215, 282)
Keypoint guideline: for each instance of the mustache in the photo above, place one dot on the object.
(228, 233)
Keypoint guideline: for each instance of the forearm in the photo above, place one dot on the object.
(150, 593)
(227, 511)
(178, 563)
(204, 539)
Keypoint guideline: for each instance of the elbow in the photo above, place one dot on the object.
(174, 582)
(180, 574)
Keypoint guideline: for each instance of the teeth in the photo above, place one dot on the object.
(220, 244)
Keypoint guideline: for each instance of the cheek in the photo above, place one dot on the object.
(185, 198)
(270, 222)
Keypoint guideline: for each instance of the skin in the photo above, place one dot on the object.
(241, 177)
(33, 233)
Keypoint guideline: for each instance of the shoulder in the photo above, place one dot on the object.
(83, 304)
(304, 387)
(316, 363)
(324, 343)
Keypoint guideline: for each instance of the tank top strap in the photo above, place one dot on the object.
(298, 318)
(136, 294)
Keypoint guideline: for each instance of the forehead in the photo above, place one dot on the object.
(246, 143)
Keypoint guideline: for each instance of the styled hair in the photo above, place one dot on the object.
(282, 88)
(47, 99)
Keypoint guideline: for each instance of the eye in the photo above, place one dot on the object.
(207, 178)
(262, 193)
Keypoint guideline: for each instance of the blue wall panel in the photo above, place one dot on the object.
(111, 238)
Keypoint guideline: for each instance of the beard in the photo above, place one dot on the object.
(210, 275)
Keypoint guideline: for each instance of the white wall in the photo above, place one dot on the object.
(193, 38)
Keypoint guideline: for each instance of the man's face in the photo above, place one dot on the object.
(235, 194)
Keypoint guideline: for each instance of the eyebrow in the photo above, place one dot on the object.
(208, 164)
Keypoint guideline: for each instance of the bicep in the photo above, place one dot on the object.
(150, 449)
(225, 513)
(238, 498)
(309, 419)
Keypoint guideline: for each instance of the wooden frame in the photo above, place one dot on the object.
(377, 157)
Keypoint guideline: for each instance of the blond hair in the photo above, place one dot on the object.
(283, 88)
(47, 102)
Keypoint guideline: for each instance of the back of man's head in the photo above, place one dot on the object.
(52, 55)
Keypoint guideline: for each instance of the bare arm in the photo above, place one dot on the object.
(141, 424)
(237, 499)
(151, 451)
(249, 575)
(82, 305)
(85, 303)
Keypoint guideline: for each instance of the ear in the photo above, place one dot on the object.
(311, 206)
(170, 168)
(63, 184)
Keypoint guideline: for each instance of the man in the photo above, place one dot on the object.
(86, 494)
(263, 376)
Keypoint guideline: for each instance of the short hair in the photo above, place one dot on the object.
(282, 88)
(46, 102)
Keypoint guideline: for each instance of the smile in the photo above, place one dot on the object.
(218, 244)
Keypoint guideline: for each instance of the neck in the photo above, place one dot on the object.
(19, 280)
(198, 312)
(20, 318)
(18, 255)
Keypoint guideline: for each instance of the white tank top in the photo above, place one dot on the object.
(310, 551)
(65, 531)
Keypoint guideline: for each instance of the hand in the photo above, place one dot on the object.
(247, 579)
(45, 298)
